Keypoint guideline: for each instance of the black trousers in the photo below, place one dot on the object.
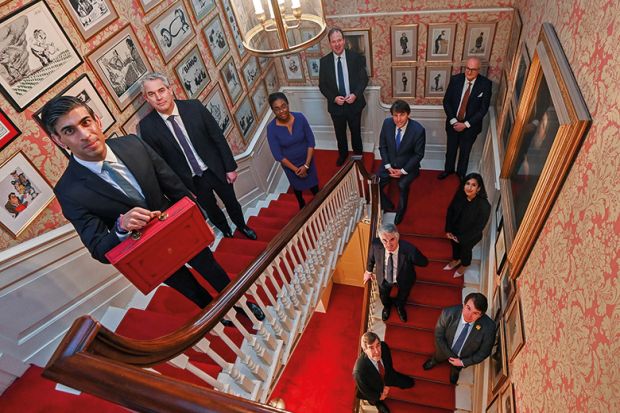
(354, 120)
(404, 182)
(300, 197)
(184, 282)
(207, 186)
(401, 297)
(460, 142)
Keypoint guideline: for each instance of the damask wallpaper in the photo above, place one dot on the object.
(569, 287)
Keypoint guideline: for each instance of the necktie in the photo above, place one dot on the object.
(390, 270)
(341, 88)
(187, 149)
(458, 345)
(381, 369)
(123, 183)
(461, 115)
(398, 136)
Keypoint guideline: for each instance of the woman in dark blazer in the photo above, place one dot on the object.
(467, 216)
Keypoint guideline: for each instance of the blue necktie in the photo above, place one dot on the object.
(458, 345)
(187, 149)
(398, 138)
(126, 186)
(341, 88)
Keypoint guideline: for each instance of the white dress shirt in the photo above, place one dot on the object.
(454, 120)
(179, 121)
(402, 135)
(345, 70)
(460, 328)
(394, 263)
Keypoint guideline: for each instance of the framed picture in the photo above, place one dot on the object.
(507, 399)
(500, 249)
(271, 80)
(521, 66)
(498, 213)
(113, 135)
(404, 43)
(216, 105)
(479, 40)
(201, 8)
(131, 124)
(515, 36)
(515, 337)
(508, 289)
(192, 73)
(83, 89)
(8, 130)
(259, 99)
(314, 64)
(292, 68)
(251, 72)
(501, 94)
(550, 124)
(24, 193)
(171, 30)
(245, 118)
(36, 54)
(498, 362)
(496, 309)
(234, 27)
(148, 5)
(307, 34)
(440, 42)
(403, 81)
(216, 39)
(437, 79)
(358, 40)
(121, 64)
(507, 122)
(90, 17)
(231, 80)
(493, 407)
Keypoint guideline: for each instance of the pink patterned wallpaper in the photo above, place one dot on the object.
(569, 287)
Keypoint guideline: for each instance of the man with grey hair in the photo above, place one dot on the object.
(396, 260)
(186, 135)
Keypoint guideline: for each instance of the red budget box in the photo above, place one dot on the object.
(163, 246)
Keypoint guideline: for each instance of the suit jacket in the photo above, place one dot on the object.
(467, 219)
(358, 80)
(367, 378)
(408, 257)
(92, 205)
(477, 105)
(478, 345)
(204, 133)
(410, 151)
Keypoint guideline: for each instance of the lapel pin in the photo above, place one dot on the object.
(478, 327)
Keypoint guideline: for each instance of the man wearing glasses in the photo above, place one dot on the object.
(466, 102)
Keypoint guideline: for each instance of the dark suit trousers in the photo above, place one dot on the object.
(462, 252)
(404, 182)
(206, 185)
(461, 142)
(184, 282)
(401, 297)
(354, 120)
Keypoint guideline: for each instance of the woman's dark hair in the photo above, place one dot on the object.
(276, 96)
(482, 193)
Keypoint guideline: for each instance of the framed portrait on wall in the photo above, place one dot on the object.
(192, 73)
(131, 124)
(171, 30)
(216, 39)
(8, 130)
(508, 289)
(35, 56)
(216, 105)
(440, 42)
(403, 81)
(515, 338)
(90, 17)
(24, 193)
(251, 72)
(358, 40)
(271, 80)
(246, 121)
(404, 42)
(500, 249)
(292, 68)
(259, 99)
(498, 361)
(515, 36)
(314, 65)
(479, 40)
(501, 95)
(498, 213)
(201, 8)
(121, 64)
(521, 66)
(234, 28)
(307, 34)
(507, 399)
(436, 82)
(231, 80)
(148, 5)
(493, 407)
(83, 89)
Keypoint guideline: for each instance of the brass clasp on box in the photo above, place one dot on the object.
(136, 235)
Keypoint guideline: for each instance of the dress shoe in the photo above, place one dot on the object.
(227, 233)
(382, 407)
(428, 364)
(443, 175)
(248, 232)
(256, 310)
(402, 314)
(226, 323)
(340, 160)
(386, 313)
(399, 217)
(451, 265)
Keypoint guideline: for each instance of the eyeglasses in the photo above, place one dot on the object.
(278, 109)
(472, 69)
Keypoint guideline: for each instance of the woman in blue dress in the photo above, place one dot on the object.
(292, 144)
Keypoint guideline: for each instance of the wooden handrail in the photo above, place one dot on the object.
(98, 361)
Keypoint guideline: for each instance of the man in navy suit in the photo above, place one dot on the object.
(186, 135)
(401, 145)
(342, 80)
(466, 103)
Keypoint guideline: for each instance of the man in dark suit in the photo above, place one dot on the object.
(466, 103)
(395, 261)
(464, 335)
(374, 372)
(111, 188)
(184, 133)
(401, 144)
(342, 80)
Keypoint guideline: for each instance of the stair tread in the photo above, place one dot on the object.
(435, 295)
(411, 364)
(245, 246)
(418, 316)
(399, 406)
(434, 248)
(427, 393)
(410, 339)
(434, 273)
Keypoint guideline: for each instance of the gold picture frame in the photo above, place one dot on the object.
(436, 81)
(359, 40)
(171, 30)
(440, 42)
(404, 39)
(479, 40)
(404, 79)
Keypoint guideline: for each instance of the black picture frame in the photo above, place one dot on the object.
(500, 248)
